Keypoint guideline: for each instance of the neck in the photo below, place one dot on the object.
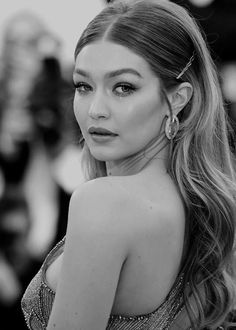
(156, 152)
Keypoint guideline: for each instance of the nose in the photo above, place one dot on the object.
(99, 108)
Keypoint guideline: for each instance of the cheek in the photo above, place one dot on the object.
(144, 117)
(79, 111)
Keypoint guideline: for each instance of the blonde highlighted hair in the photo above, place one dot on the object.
(201, 162)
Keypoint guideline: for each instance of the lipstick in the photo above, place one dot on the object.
(100, 134)
(100, 131)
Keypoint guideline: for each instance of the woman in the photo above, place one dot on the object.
(149, 242)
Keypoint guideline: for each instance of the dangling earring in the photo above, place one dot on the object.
(171, 127)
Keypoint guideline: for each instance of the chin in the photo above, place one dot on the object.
(100, 156)
(104, 156)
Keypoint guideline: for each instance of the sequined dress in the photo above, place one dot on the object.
(38, 299)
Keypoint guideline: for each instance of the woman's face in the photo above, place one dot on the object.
(117, 101)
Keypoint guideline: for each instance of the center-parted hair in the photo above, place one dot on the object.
(201, 162)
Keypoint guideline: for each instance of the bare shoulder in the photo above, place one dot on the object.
(99, 205)
(117, 198)
(99, 188)
(113, 205)
(103, 194)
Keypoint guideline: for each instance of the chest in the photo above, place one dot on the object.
(53, 271)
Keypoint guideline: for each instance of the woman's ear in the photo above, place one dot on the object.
(180, 96)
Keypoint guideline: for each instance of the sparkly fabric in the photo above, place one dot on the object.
(38, 300)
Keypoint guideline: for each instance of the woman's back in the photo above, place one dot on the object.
(149, 217)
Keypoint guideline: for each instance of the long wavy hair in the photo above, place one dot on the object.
(201, 162)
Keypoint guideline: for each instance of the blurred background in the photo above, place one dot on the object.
(40, 149)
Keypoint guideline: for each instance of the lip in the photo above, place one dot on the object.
(101, 135)
(100, 131)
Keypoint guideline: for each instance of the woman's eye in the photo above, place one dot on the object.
(82, 88)
(124, 89)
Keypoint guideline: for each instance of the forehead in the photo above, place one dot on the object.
(105, 56)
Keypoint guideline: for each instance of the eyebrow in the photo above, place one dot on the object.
(111, 74)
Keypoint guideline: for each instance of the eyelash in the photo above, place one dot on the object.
(84, 88)
(131, 89)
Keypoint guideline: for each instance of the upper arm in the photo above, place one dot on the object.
(95, 251)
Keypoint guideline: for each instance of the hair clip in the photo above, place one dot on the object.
(186, 67)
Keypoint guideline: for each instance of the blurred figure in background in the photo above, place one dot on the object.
(37, 141)
(15, 262)
(33, 128)
(14, 229)
(20, 64)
